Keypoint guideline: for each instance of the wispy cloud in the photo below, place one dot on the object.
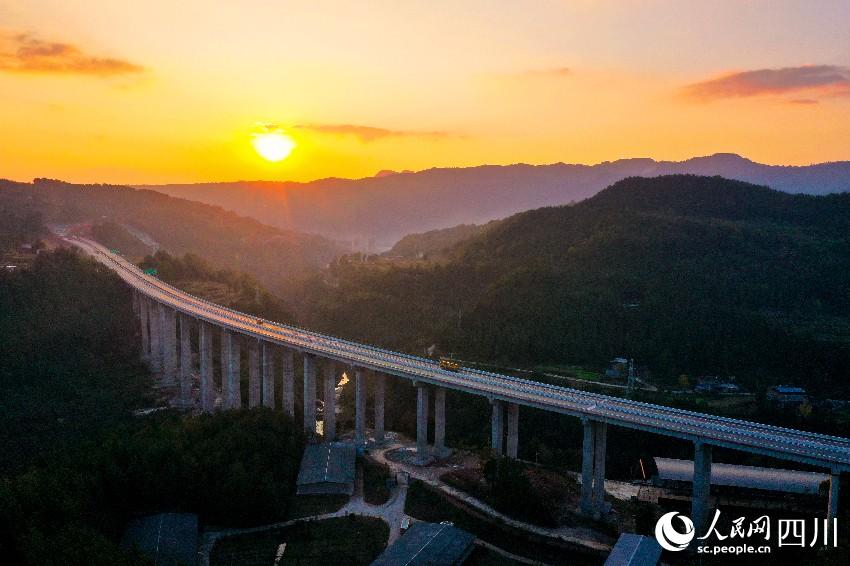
(823, 80)
(803, 101)
(369, 133)
(24, 53)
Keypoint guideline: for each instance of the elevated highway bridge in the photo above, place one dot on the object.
(159, 306)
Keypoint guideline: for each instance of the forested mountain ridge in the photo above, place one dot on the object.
(276, 257)
(436, 242)
(387, 207)
(686, 274)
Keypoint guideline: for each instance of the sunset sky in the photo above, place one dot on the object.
(163, 91)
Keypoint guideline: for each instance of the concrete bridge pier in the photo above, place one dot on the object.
(600, 452)
(512, 446)
(593, 468)
(287, 362)
(832, 510)
(421, 419)
(359, 405)
(230, 370)
(254, 385)
(700, 498)
(497, 427)
(268, 352)
(168, 316)
(378, 399)
(440, 450)
(205, 355)
(309, 396)
(587, 467)
(185, 360)
(143, 319)
(329, 414)
(156, 337)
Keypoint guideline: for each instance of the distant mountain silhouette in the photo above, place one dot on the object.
(390, 205)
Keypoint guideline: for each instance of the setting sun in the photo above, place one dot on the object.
(274, 146)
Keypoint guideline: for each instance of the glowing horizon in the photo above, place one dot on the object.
(146, 94)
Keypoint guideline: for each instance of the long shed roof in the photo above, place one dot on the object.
(769, 479)
(167, 539)
(428, 544)
(328, 462)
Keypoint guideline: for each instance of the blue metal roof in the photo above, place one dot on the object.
(788, 389)
(634, 550)
(328, 463)
(167, 539)
(428, 544)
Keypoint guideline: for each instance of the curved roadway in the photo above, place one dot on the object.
(789, 444)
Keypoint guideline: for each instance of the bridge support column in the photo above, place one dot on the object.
(599, 453)
(359, 405)
(156, 337)
(287, 362)
(701, 486)
(254, 385)
(169, 344)
(185, 360)
(593, 468)
(309, 396)
(440, 450)
(268, 352)
(143, 319)
(230, 370)
(587, 468)
(378, 395)
(135, 299)
(497, 426)
(832, 511)
(421, 420)
(205, 353)
(329, 414)
(513, 430)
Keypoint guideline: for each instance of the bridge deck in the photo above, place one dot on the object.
(818, 449)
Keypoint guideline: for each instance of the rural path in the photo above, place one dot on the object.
(391, 512)
(431, 475)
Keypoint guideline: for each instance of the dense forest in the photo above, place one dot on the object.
(233, 469)
(276, 257)
(226, 287)
(75, 463)
(688, 275)
(436, 242)
(17, 228)
(117, 237)
(70, 357)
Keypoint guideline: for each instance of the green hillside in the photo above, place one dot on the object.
(434, 243)
(686, 274)
(276, 257)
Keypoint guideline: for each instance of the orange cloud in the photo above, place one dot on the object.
(825, 80)
(368, 133)
(23, 53)
(803, 101)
